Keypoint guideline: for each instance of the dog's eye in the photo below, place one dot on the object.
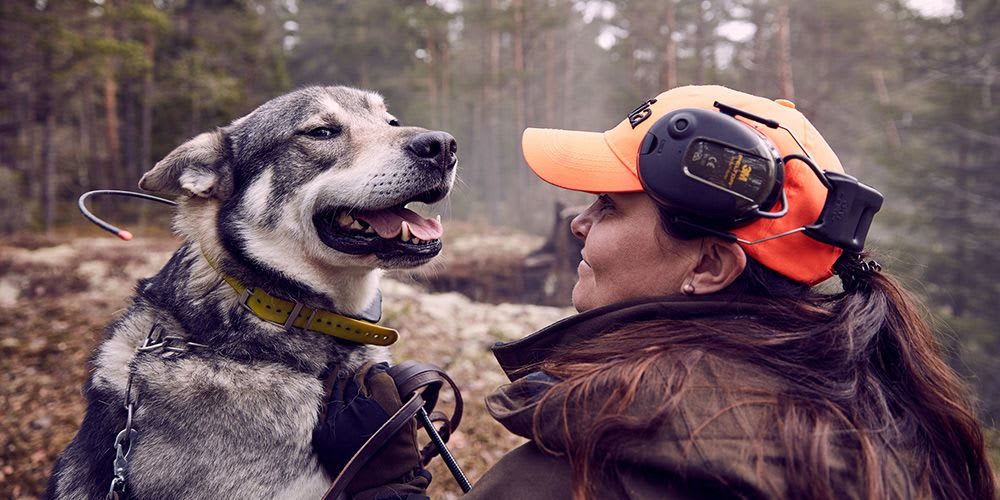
(323, 132)
(393, 122)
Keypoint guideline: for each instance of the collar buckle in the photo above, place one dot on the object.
(245, 297)
(292, 316)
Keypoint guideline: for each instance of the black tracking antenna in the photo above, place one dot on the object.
(734, 112)
(121, 233)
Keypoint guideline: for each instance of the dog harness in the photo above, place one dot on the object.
(291, 314)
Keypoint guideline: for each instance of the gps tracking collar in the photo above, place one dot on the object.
(715, 173)
(360, 328)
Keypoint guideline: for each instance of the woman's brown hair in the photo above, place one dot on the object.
(862, 360)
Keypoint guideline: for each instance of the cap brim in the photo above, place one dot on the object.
(580, 161)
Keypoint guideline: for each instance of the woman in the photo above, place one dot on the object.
(705, 362)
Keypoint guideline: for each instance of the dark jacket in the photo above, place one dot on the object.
(706, 450)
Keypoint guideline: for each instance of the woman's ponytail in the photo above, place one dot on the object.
(854, 272)
(930, 397)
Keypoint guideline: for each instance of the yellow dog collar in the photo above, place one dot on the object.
(292, 314)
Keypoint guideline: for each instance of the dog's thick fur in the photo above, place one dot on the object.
(234, 419)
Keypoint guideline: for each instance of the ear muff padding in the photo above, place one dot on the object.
(709, 167)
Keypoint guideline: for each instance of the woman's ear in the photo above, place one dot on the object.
(196, 168)
(721, 262)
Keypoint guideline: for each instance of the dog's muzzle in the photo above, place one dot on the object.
(396, 235)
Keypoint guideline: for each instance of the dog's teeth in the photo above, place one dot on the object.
(438, 218)
(405, 235)
(416, 241)
(344, 219)
(356, 225)
(369, 229)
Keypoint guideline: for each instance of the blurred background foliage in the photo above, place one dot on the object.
(93, 92)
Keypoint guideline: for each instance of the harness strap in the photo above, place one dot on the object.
(409, 377)
(373, 445)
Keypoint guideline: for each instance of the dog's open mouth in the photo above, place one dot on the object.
(392, 234)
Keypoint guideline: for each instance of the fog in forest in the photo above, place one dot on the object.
(94, 92)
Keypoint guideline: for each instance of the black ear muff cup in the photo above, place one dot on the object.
(710, 167)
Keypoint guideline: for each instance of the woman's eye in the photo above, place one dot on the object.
(393, 122)
(323, 132)
(605, 202)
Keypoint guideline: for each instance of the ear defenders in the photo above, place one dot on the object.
(709, 167)
(716, 173)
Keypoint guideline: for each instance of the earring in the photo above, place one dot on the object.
(687, 289)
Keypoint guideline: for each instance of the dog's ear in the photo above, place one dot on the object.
(196, 168)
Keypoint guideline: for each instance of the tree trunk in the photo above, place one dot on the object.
(551, 100)
(48, 119)
(569, 82)
(446, 82)
(22, 159)
(700, 28)
(784, 51)
(668, 73)
(82, 166)
(188, 20)
(882, 91)
(761, 73)
(960, 284)
(111, 130)
(520, 99)
(492, 87)
(362, 40)
(432, 86)
(129, 127)
(522, 175)
(146, 150)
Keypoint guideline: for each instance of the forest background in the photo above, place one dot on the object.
(93, 92)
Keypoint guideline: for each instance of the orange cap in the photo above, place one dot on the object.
(607, 162)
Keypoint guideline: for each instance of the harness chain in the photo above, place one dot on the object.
(169, 344)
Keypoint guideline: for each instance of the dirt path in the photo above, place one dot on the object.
(56, 295)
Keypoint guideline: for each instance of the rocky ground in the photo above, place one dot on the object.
(57, 293)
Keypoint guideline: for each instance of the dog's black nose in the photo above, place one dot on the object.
(438, 147)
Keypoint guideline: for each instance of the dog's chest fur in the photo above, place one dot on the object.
(214, 428)
(230, 420)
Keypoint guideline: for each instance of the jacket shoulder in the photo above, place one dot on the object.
(525, 473)
(722, 434)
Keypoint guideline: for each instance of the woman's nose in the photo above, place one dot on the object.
(580, 225)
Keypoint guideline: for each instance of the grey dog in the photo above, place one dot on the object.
(304, 198)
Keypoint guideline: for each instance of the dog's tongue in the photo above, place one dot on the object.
(388, 223)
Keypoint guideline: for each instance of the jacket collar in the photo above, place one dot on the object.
(521, 357)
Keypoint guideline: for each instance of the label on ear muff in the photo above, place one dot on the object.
(737, 171)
